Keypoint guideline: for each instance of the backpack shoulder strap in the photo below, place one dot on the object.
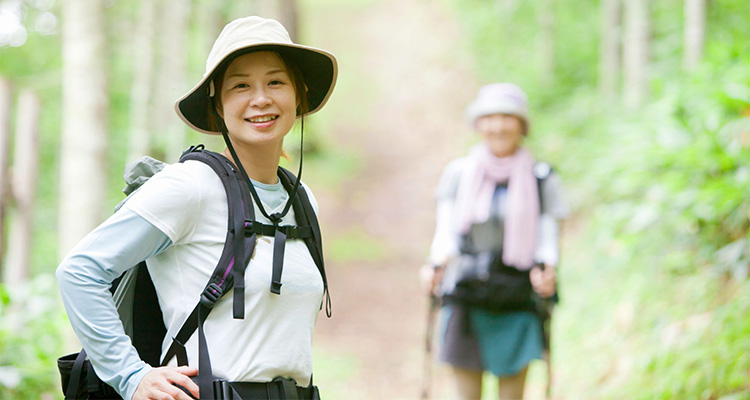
(542, 171)
(238, 248)
(305, 215)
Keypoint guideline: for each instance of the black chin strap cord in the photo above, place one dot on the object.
(275, 218)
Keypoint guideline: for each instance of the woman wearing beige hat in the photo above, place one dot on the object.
(257, 84)
(494, 252)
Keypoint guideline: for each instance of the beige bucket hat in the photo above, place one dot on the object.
(502, 98)
(319, 67)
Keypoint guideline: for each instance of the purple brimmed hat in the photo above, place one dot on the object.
(499, 98)
(318, 67)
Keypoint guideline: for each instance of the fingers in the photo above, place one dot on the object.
(543, 281)
(427, 278)
(175, 393)
(159, 384)
(183, 379)
(189, 371)
(536, 276)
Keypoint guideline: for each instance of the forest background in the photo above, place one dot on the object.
(642, 106)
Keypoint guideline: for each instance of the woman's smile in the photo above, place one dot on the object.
(263, 121)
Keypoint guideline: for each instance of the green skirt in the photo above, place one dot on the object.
(501, 343)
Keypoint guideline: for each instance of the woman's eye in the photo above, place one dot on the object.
(241, 85)
(276, 82)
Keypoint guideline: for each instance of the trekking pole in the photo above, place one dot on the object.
(548, 351)
(545, 307)
(427, 365)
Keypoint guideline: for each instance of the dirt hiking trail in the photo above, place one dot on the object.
(403, 84)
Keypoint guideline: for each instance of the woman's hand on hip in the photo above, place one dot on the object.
(159, 384)
(544, 281)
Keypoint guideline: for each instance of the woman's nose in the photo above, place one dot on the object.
(503, 123)
(260, 98)
(498, 124)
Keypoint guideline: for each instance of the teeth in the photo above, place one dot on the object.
(265, 118)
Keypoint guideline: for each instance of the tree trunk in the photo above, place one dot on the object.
(288, 18)
(635, 51)
(695, 31)
(609, 50)
(6, 97)
(169, 130)
(269, 9)
(84, 131)
(140, 93)
(25, 174)
(211, 16)
(546, 44)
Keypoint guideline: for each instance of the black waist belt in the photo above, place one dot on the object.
(278, 389)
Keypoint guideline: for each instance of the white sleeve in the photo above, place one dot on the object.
(554, 208)
(445, 242)
(547, 249)
(84, 278)
(171, 199)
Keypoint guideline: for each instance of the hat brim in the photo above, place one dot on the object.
(478, 109)
(319, 70)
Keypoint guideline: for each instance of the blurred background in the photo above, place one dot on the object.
(642, 106)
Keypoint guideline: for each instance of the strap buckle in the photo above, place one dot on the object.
(222, 390)
(211, 295)
(287, 388)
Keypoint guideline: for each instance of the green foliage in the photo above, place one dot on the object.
(655, 274)
(30, 340)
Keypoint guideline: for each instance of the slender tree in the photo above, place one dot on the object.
(25, 173)
(172, 76)
(84, 126)
(546, 41)
(635, 51)
(609, 50)
(694, 32)
(5, 105)
(288, 18)
(143, 77)
(211, 17)
(269, 9)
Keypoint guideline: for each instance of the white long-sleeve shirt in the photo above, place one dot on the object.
(177, 222)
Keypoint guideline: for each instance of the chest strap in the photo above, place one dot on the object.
(291, 231)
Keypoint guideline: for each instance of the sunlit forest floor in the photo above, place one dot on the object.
(398, 109)
(396, 119)
(378, 224)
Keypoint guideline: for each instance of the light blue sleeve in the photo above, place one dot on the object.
(85, 277)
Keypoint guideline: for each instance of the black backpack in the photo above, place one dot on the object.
(139, 309)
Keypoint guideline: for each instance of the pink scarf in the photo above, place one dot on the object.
(481, 175)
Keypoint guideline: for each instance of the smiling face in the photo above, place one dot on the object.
(502, 133)
(258, 99)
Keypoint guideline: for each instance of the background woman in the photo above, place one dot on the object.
(489, 203)
(256, 85)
